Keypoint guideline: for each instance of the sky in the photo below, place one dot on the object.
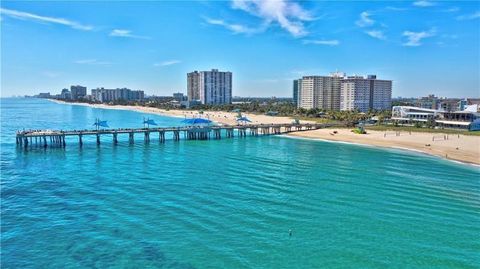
(425, 47)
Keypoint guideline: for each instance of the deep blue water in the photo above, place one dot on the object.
(226, 203)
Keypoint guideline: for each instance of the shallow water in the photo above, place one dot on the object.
(226, 203)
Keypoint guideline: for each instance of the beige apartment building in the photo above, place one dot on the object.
(339, 92)
(320, 91)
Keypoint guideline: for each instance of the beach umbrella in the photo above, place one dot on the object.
(244, 119)
(195, 121)
(148, 122)
(100, 123)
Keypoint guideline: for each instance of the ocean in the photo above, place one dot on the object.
(255, 202)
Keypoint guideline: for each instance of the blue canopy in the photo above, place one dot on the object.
(194, 121)
(149, 122)
(244, 119)
(101, 123)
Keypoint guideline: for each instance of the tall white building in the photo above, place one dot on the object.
(320, 91)
(363, 94)
(210, 87)
(193, 90)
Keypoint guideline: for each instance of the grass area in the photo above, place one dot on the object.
(422, 130)
(316, 120)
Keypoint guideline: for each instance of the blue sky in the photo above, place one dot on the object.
(423, 46)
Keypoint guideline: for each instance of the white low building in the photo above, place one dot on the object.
(466, 119)
(411, 113)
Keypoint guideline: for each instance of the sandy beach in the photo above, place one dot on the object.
(220, 117)
(459, 148)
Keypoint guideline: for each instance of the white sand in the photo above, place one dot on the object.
(216, 116)
(461, 148)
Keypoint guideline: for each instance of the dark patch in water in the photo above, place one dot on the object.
(158, 258)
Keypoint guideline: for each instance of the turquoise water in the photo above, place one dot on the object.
(227, 203)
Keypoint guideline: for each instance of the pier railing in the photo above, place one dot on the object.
(44, 138)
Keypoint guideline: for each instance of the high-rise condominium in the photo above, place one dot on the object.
(78, 92)
(297, 83)
(363, 94)
(320, 91)
(193, 90)
(210, 87)
(109, 95)
(338, 92)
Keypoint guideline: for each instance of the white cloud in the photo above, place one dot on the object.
(396, 8)
(452, 9)
(92, 62)
(423, 3)
(322, 42)
(126, 33)
(414, 38)
(37, 18)
(167, 63)
(235, 28)
(473, 16)
(365, 20)
(289, 15)
(376, 34)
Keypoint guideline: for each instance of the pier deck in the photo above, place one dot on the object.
(57, 137)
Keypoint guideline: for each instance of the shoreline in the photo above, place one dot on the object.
(219, 117)
(461, 148)
(403, 149)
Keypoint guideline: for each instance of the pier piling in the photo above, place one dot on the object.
(58, 138)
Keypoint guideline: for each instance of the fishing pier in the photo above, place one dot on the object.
(45, 138)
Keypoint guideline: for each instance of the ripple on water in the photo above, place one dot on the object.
(228, 203)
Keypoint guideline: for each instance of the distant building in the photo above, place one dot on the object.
(320, 91)
(450, 104)
(193, 86)
(78, 92)
(44, 95)
(109, 95)
(430, 102)
(66, 95)
(473, 101)
(363, 94)
(190, 104)
(296, 86)
(210, 87)
(179, 97)
(462, 104)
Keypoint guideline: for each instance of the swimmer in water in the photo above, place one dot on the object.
(290, 233)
